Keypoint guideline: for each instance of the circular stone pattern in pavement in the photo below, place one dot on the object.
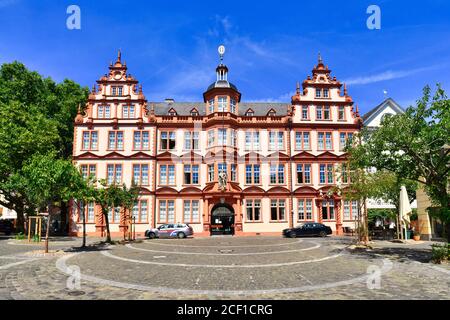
(224, 265)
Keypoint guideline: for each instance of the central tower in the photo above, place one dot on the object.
(222, 96)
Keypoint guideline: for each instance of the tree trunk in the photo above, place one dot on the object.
(108, 233)
(64, 230)
(20, 222)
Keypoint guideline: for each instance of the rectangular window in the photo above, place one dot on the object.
(233, 137)
(140, 174)
(276, 140)
(253, 209)
(305, 113)
(168, 141)
(191, 174)
(140, 211)
(191, 211)
(345, 138)
(166, 213)
(233, 169)
(324, 141)
(233, 106)
(222, 137)
(252, 174)
(345, 177)
(319, 114)
(90, 140)
(277, 210)
(252, 140)
(350, 210)
(90, 213)
(167, 175)
(303, 173)
(114, 215)
(222, 106)
(119, 91)
(104, 112)
(305, 209)
(141, 140)
(115, 141)
(88, 171)
(302, 141)
(187, 141)
(114, 173)
(318, 93)
(211, 106)
(328, 210)
(211, 138)
(322, 174)
(341, 113)
(328, 141)
(210, 173)
(325, 93)
(320, 141)
(128, 112)
(326, 113)
(277, 174)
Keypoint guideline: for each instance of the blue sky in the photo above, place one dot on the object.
(171, 46)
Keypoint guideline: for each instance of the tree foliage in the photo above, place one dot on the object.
(412, 147)
(36, 118)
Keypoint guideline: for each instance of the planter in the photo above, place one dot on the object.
(416, 238)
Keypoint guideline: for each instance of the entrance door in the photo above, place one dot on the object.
(222, 220)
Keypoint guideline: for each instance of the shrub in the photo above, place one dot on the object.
(19, 236)
(440, 253)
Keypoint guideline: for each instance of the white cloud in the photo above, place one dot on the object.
(386, 75)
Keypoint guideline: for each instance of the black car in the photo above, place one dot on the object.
(6, 227)
(308, 230)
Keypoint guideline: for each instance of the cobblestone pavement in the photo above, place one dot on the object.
(221, 268)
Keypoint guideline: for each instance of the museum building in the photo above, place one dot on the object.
(222, 165)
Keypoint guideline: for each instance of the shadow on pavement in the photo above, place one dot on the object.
(397, 254)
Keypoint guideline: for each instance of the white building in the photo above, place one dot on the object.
(372, 120)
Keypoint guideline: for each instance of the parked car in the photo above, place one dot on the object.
(176, 230)
(308, 230)
(6, 227)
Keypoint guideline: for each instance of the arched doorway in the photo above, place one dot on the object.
(222, 220)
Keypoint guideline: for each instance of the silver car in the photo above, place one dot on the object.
(175, 230)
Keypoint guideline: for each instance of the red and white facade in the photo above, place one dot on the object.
(262, 167)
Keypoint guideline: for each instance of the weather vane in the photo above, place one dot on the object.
(221, 52)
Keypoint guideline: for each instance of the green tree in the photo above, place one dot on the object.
(36, 117)
(110, 196)
(412, 146)
(47, 182)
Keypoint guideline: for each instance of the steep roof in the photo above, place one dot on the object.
(389, 102)
(185, 108)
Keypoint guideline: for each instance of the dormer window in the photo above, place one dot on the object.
(249, 113)
(194, 113)
(172, 112)
(272, 113)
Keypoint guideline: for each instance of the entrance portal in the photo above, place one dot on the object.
(222, 220)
